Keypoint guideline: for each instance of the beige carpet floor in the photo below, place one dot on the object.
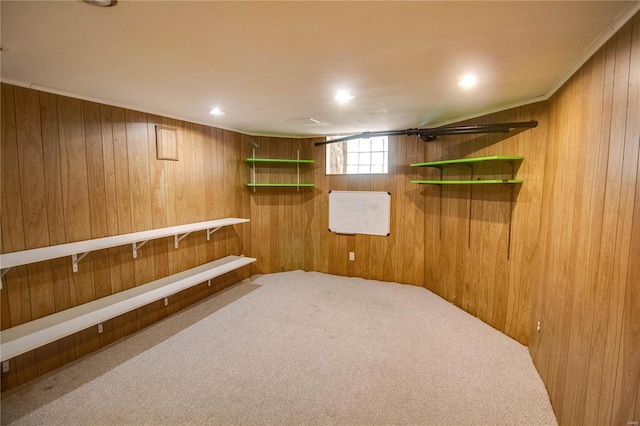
(299, 348)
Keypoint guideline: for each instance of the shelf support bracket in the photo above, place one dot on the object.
(3, 272)
(136, 247)
(75, 259)
(177, 239)
(211, 231)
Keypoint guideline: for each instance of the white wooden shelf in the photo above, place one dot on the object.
(31, 335)
(78, 250)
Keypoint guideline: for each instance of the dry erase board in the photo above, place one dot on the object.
(360, 212)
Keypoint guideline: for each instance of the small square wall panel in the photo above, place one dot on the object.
(167, 143)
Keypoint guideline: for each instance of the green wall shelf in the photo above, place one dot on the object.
(467, 182)
(282, 184)
(442, 163)
(276, 160)
(259, 161)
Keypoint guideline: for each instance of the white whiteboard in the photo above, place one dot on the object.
(360, 212)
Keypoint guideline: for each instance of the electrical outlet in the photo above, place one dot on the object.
(352, 255)
(166, 301)
(539, 326)
(100, 329)
(5, 366)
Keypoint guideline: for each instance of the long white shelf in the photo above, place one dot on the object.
(79, 249)
(31, 335)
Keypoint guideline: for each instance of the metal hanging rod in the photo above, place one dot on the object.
(429, 135)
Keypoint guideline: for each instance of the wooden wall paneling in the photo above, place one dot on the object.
(283, 199)
(30, 160)
(245, 230)
(317, 258)
(186, 250)
(378, 245)
(260, 215)
(419, 208)
(15, 291)
(362, 260)
(196, 174)
(571, 233)
(559, 236)
(591, 161)
(75, 190)
(111, 212)
(76, 198)
(627, 386)
(127, 323)
(432, 220)
(388, 260)
(33, 197)
(56, 219)
(398, 209)
(307, 215)
(97, 196)
(12, 225)
(298, 209)
(552, 229)
(210, 185)
(455, 213)
(607, 309)
(526, 237)
(627, 131)
(156, 311)
(140, 184)
(637, 414)
(338, 243)
(32, 180)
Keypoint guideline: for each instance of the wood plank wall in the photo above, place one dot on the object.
(564, 252)
(75, 170)
(472, 246)
(588, 296)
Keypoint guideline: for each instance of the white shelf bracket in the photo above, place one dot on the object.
(211, 231)
(136, 247)
(3, 272)
(77, 258)
(177, 239)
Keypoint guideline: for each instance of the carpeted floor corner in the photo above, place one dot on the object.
(302, 348)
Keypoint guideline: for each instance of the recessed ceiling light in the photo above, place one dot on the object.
(217, 111)
(468, 81)
(102, 3)
(343, 96)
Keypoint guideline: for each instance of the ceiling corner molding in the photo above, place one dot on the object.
(602, 39)
(110, 103)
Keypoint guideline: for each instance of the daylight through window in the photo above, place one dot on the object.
(358, 156)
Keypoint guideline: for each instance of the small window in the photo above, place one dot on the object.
(358, 156)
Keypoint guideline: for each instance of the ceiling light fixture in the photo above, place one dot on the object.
(343, 96)
(102, 3)
(468, 81)
(217, 111)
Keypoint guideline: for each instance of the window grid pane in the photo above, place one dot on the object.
(363, 156)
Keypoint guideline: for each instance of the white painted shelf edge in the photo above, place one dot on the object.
(31, 335)
(9, 260)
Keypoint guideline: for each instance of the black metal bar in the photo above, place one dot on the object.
(430, 134)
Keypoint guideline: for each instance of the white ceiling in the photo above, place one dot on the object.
(272, 66)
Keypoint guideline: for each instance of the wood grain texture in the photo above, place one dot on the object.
(587, 352)
(74, 170)
(560, 249)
